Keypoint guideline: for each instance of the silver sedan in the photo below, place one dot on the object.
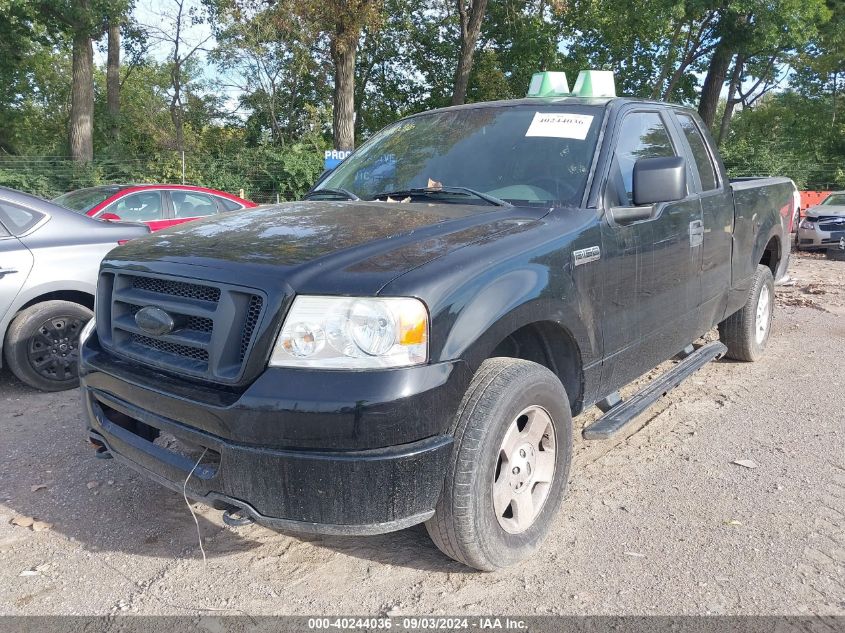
(823, 225)
(49, 262)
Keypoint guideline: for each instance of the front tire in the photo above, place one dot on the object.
(509, 466)
(42, 344)
(746, 332)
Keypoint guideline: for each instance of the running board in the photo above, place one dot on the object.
(618, 417)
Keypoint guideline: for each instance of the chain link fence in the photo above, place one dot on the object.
(280, 174)
(267, 175)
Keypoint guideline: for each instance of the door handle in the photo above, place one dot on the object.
(7, 271)
(696, 233)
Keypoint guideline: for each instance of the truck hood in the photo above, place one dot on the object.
(368, 243)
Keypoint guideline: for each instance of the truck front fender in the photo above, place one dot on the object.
(506, 303)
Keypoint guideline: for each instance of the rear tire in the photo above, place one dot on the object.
(509, 466)
(42, 344)
(746, 332)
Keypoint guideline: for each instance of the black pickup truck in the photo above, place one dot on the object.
(410, 343)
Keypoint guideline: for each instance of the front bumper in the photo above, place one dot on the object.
(816, 239)
(300, 474)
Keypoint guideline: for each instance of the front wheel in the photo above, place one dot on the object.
(746, 332)
(836, 254)
(42, 344)
(509, 467)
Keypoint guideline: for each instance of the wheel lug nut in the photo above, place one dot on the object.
(522, 452)
(515, 470)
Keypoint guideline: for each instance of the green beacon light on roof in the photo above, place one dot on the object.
(548, 84)
(595, 83)
(590, 83)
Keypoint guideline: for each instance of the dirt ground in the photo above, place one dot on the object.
(660, 522)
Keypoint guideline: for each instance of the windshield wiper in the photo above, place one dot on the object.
(432, 192)
(342, 193)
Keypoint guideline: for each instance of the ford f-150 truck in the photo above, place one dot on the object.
(411, 342)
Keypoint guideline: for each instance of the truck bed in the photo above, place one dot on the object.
(755, 226)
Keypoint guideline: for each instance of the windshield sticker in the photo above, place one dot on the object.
(560, 125)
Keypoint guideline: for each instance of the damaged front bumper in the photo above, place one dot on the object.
(337, 490)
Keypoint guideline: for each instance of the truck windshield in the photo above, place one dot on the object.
(525, 155)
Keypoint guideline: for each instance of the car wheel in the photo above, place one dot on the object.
(509, 466)
(42, 344)
(746, 332)
(835, 254)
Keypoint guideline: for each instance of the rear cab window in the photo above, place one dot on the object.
(700, 154)
(17, 220)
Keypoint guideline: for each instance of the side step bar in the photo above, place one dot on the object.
(619, 416)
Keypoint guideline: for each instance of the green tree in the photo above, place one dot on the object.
(82, 21)
(764, 34)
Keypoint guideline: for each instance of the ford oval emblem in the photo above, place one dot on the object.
(155, 321)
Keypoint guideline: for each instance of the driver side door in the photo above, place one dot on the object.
(652, 287)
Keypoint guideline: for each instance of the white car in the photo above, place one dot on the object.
(823, 226)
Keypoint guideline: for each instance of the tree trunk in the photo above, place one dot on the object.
(82, 100)
(470, 30)
(113, 78)
(343, 51)
(714, 81)
(731, 100)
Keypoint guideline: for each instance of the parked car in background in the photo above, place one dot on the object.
(49, 259)
(157, 206)
(823, 225)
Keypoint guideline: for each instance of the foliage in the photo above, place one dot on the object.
(783, 136)
(256, 110)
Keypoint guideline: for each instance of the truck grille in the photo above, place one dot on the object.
(215, 323)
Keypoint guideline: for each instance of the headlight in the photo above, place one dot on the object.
(806, 224)
(87, 331)
(353, 333)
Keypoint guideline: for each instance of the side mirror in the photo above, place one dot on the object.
(662, 179)
(110, 217)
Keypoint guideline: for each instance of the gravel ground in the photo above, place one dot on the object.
(662, 522)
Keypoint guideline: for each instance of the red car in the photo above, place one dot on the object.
(157, 206)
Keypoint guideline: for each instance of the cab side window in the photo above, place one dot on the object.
(703, 161)
(642, 135)
(144, 206)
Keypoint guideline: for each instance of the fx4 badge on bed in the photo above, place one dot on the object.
(586, 255)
